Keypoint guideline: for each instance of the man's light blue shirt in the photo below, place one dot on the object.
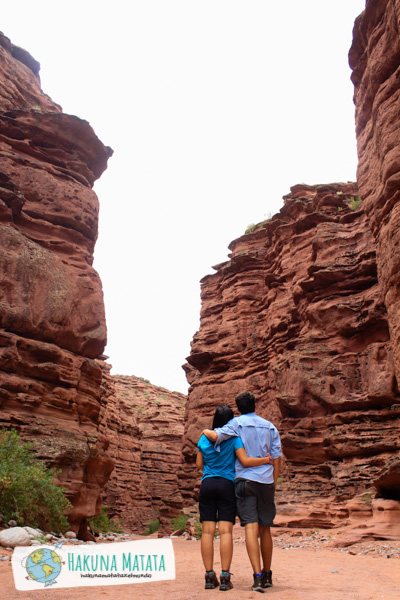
(259, 437)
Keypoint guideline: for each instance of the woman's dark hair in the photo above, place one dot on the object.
(245, 402)
(222, 415)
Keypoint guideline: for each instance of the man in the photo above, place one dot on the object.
(254, 486)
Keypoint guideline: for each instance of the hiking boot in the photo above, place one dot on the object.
(211, 580)
(266, 579)
(257, 587)
(226, 583)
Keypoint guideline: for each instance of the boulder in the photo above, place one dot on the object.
(15, 536)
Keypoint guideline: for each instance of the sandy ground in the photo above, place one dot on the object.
(313, 570)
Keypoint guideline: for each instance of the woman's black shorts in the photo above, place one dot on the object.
(217, 500)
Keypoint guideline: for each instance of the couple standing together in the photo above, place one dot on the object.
(240, 458)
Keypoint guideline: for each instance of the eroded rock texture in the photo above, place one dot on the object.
(375, 60)
(52, 322)
(297, 316)
(145, 426)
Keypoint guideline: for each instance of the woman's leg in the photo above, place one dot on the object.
(207, 544)
(226, 544)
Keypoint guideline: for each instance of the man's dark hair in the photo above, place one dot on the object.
(246, 402)
(222, 415)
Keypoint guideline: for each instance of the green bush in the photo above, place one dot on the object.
(355, 202)
(28, 491)
(103, 524)
(367, 498)
(198, 528)
(179, 523)
(152, 526)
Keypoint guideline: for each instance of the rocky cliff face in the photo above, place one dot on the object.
(145, 426)
(306, 315)
(298, 317)
(52, 323)
(375, 59)
(54, 386)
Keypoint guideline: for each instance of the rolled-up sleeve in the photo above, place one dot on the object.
(224, 433)
(276, 450)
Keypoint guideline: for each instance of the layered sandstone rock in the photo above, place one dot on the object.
(52, 322)
(370, 519)
(306, 314)
(375, 59)
(145, 426)
(54, 387)
(297, 316)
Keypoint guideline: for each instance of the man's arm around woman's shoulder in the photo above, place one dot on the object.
(210, 434)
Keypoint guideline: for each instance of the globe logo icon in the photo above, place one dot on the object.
(43, 565)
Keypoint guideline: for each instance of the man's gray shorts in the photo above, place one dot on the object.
(255, 502)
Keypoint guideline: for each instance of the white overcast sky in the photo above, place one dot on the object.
(214, 108)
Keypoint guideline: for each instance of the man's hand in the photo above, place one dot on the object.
(210, 434)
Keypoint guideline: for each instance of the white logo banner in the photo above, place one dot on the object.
(141, 561)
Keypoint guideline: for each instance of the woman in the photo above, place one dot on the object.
(217, 496)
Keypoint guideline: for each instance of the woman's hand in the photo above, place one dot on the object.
(249, 461)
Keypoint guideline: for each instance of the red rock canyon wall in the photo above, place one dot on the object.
(297, 316)
(145, 426)
(55, 387)
(52, 322)
(306, 313)
(375, 60)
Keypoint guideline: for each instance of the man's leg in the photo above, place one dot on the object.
(246, 502)
(266, 547)
(267, 515)
(253, 550)
(252, 546)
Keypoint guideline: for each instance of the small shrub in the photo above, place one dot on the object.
(367, 498)
(100, 523)
(179, 523)
(103, 524)
(28, 490)
(250, 228)
(198, 528)
(117, 526)
(355, 202)
(42, 539)
(152, 526)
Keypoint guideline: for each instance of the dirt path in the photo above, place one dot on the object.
(316, 573)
